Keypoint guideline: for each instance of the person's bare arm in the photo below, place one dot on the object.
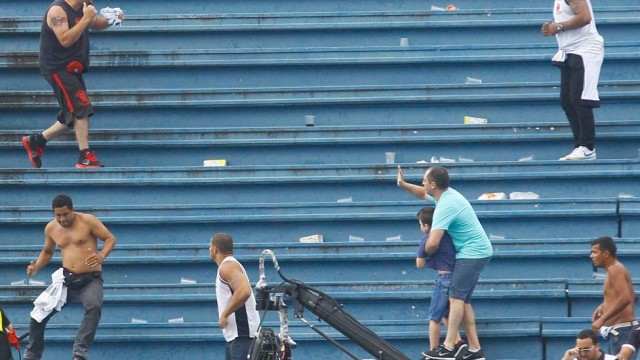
(581, 18)
(58, 22)
(625, 353)
(100, 232)
(415, 190)
(618, 279)
(232, 274)
(46, 253)
(431, 247)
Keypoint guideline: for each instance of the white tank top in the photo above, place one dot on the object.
(571, 41)
(244, 321)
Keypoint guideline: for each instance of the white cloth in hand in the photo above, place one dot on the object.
(604, 331)
(54, 297)
(112, 15)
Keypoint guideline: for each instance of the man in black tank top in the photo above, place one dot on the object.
(64, 57)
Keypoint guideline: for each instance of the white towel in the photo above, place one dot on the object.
(113, 16)
(54, 297)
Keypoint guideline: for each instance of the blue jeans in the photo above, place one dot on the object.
(439, 307)
(465, 276)
(616, 341)
(238, 348)
(91, 296)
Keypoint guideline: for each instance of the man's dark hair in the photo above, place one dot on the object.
(606, 243)
(440, 176)
(223, 241)
(425, 215)
(62, 200)
(588, 334)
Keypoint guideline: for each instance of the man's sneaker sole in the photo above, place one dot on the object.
(92, 166)
(34, 160)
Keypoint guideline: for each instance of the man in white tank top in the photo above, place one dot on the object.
(237, 312)
(580, 55)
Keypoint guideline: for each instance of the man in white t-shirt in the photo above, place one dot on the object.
(587, 348)
(237, 314)
(579, 57)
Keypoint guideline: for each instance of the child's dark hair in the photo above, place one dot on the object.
(425, 215)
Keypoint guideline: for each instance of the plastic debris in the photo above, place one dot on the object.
(520, 195)
(527, 158)
(179, 320)
(493, 196)
(464, 160)
(404, 42)
(472, 120)
(471, 80)
(390, 157)
(437, 8)
(496, 237)
(355, 238)
(187, 281)
(214, 163)
(395, 238)
(315, 238)
(138, 321)
(309, 120)
(37, 283)
(18, 282)
(625, 196)
(346, 200)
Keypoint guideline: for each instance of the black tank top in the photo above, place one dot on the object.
(55, 57)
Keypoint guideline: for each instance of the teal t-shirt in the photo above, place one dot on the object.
(455, 215)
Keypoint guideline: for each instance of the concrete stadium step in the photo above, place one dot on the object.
(559, 334)
(630, 214)
(328, 95)
(310, 183)
(336, 221)
(363, 300)
(513, 259)
(153, 147)
(133, 7)
(327, 29)
(316, 66)
(348, 107)
(357, 105)
(585, 295)
(200, 340)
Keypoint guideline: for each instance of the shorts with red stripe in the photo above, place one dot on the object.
(71, 94)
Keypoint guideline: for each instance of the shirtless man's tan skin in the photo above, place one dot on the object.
(76, 234)
(617, 307)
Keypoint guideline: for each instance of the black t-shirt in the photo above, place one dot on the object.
(55, 57)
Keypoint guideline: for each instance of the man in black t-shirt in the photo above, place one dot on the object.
(64, 57)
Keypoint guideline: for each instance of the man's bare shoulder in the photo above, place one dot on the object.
(56, 16)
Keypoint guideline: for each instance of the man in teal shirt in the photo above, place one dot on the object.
(455, 215)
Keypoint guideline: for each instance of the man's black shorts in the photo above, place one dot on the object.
(71, 94)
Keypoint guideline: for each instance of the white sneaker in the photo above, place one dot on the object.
(580, 153)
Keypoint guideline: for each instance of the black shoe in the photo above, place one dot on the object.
(440, 353)
(88, 159)
(34, 152)
(460, 348)
(468, 355)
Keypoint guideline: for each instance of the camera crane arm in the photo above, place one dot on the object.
(327, 309)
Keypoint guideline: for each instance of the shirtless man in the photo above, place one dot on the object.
(617, 308)
(76, 234)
